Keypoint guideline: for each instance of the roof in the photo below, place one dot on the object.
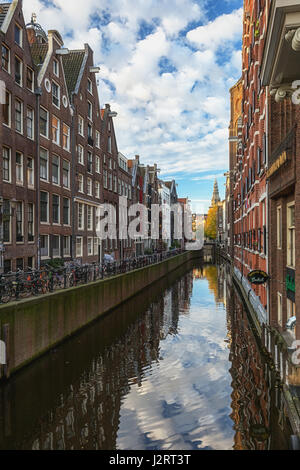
(38, 52)
(168, 184)
(4, 7)
(72, 63)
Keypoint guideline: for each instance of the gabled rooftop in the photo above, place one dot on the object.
(4, 7)
(72, 63)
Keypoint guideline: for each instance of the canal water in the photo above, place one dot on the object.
(175, 368)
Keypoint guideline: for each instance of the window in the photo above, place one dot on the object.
(44, 122)
(291, 235)
(19, 168)
(115, 185)
(19, 116)
(44, 164)
(80, 183)
(66, 137)
(279, 227)
(29, 78)
(110, 163)
(98, 139)
(105, 179)
(291, 309)
(80, 216)
(98, 165)
(55, 169)
(18, 35)
(44, 246)
(90, 246)
(89, 218)
(79, 246)
(55, 130)
(5, 58)
(90, 162)
(66, 174)
(80, 126)
(55, 67)
(55, 246)
(109, 144)
(89, 187)
(19, 222)
(97, 189)
(66, 246)
(90, 86)
(66, 211)
(110, 181)
(44, 199)
(6, 221)
(90, 111)
(30, 123)
(55, 94)
(30, 222)
(279, 308)
(80, 155)
(18, 71)
(7, 109)
(30, 171)
(96, 245)
(90, 135)
(20, 264)
(55, 209)
(6, 164)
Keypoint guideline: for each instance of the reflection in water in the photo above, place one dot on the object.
(181, 371)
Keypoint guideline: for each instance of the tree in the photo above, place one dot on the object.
(210, 229)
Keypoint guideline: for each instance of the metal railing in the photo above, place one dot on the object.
(20, 285)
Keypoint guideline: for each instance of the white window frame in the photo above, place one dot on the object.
(55, 97)
(30, 120)
(20, 167)
(57, 132)
(90, 246)
(59, 218)
(17, 100)
(56, 67)
(48, 122)
(8, 149)
(80, 239)
(89, 186)
(90, 218)
(80, 216)
(48, 255)
(98, 139)
(30, 171)
(279, 308)
(80, 183)
(21, 71)
(68, 137)
(80, 153)
(81, 126)
(98, 165)
(289, 228)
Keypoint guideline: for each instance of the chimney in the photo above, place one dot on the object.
(137, 158)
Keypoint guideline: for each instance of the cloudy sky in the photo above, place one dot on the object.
(166, 68)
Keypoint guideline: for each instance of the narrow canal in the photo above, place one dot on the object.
(177, 367)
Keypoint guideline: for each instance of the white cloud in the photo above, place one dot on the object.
(177, 116)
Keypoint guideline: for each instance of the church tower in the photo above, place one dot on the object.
(216, 195)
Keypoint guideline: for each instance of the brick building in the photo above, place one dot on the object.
(249, 170)
(17, 143)
(280, 70)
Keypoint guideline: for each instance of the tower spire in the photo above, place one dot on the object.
(216, 195)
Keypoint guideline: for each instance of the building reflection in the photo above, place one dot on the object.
(63, 403)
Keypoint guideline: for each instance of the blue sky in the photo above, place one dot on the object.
(166, 68)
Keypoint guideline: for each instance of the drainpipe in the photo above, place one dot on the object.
(267, 204)
(73, 174)
(38, 94)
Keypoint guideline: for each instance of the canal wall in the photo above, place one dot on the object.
(31, 327)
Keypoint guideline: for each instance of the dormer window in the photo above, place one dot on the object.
(56, 67)
(18, 35)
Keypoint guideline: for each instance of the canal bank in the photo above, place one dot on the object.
(277, 353)
(32, 327)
